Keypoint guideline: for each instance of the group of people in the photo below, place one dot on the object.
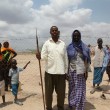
(62, 63)
(9, 72)
(70, 63)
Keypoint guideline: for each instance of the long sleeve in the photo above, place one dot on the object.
(44, 52)
(66, 61)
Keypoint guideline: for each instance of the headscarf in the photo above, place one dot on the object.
(73, 48)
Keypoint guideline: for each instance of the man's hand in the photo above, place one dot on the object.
(38, 55)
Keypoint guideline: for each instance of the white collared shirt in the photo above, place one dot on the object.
(55, 55)
(99, 56)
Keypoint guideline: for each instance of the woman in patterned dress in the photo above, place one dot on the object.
(79, 58)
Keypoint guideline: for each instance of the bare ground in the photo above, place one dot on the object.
(31, 93)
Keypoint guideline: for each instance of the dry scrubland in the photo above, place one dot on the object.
(31, 94)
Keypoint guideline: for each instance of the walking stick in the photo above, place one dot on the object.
(37, 42)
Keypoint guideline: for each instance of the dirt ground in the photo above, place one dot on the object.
(31, 92)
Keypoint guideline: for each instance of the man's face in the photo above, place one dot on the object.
(100, 42)
(76, 37)
(54, 32)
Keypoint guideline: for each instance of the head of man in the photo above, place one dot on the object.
(107, 46)
(100, 42)
(54, 33)
(76, 36)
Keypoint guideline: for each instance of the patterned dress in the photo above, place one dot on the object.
(77, 55)
(77, 83)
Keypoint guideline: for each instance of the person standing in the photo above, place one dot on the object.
(2, 77)
(8, 52)
(108, 66)
(100, 64)
(55, 54)
(8, 55)
(79, 58)
(14, 79)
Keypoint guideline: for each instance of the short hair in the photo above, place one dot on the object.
(5, 43)
(13, 61)
(53, 27)
(99, 39)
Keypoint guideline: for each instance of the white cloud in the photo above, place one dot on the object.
(3, 24)
(96, 29)
(21, 19)
(16, 11)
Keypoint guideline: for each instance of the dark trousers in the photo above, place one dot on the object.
(108, 72)
(57, 82)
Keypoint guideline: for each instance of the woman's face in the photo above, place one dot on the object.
(76, 36)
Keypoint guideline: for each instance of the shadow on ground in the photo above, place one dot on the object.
(105, 87)
(6, 104)
(24, 99)
(88, 106)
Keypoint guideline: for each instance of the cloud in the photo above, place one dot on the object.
(18, 18)
(3, 24)
(95, 29)
(65, 15)
(16, 11)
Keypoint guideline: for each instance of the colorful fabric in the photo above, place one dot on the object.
(98, 75)
(77, 90)
(73, 49)
(106, 58)
(1, 56)
(4, 49)
(7, 56)
(15, 89)
(7, 53)
(77, 82)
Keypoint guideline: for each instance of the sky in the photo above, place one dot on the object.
(19, 19)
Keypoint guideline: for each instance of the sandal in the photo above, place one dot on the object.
(92, 91)
(103, 96)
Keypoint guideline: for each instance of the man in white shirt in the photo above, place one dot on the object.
(55, 55)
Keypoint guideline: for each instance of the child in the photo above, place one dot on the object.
(2, 77)
(14, 77)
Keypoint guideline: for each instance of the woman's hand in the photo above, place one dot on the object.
(86, 75)
(67, 77)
